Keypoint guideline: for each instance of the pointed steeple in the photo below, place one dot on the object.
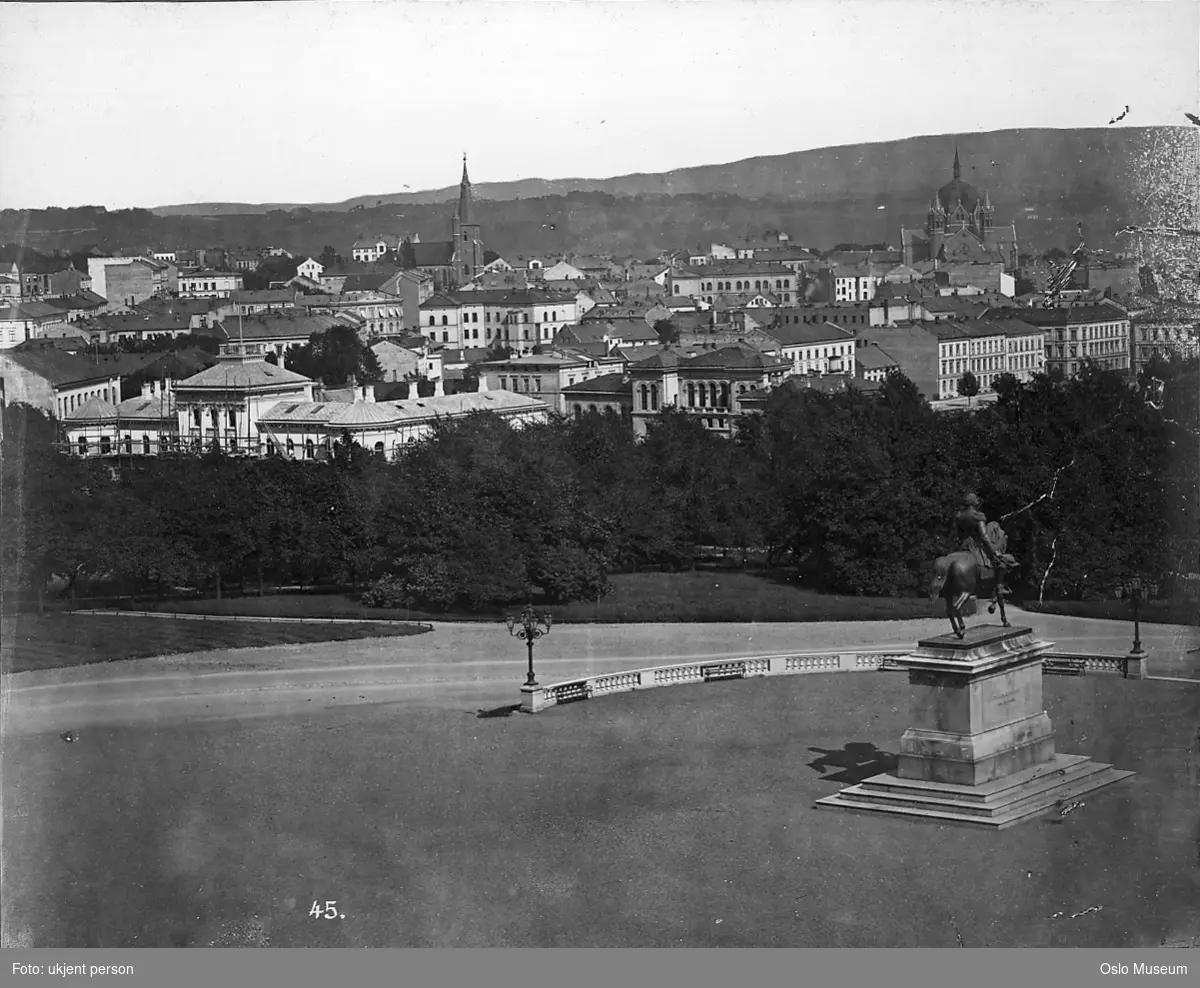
(957, 166)
(463, 213)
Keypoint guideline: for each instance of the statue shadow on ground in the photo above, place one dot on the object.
(506, 711)
(857, 761)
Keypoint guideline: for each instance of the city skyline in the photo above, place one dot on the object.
(538, 90)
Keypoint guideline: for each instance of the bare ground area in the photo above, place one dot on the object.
(676, 817)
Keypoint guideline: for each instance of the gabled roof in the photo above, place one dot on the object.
(442, 301)
(586, 333)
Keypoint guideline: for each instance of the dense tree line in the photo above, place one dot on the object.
(1094, 479)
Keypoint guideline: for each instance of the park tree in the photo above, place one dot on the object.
(271, 269)
(408, 255)
(335, 357)
(667, 331)
(968, 385)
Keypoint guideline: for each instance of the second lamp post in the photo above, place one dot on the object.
(1137, 591)
(529, 627)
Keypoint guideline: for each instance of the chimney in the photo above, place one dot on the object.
(439, 388)
(147, 390)
(483, 386)
(368, 393)
(413, 394)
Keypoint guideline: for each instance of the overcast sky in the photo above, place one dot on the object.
(152, 104)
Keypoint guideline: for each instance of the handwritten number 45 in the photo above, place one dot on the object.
(329, 912)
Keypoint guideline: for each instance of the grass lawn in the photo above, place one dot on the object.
(705, 595)
(674, 817)
(50, 641)
(1152, 611)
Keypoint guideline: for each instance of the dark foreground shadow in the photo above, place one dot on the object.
(505, 711)
(857, 761)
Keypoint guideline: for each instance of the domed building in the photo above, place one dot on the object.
(960, 228)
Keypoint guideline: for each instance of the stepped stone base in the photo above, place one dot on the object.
(994, 805)
(981, 748)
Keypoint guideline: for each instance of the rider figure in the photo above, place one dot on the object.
(969, 527)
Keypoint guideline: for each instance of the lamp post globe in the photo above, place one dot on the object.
(529, 627)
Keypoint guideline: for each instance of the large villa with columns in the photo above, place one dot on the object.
(246, 406)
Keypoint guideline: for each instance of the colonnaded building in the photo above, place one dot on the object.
(245, 406)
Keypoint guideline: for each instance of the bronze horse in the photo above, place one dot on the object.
(958, 576)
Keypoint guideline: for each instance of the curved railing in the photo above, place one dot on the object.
(784, 664)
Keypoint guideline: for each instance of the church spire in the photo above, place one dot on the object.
(463, 213)
(957, 166)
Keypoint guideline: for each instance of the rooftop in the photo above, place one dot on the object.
(344, 414)
(874, 357)
(798, 334)
(208, 273)
(605, 384)
(57, 366)
(94, 410)
(241, 375)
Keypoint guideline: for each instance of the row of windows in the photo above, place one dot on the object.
(786, 297)
(710, 397)
(106, 446)
(824, 353)
(759, 285)
(522, 384)
(214, 417)
(1095, 332)
(592, 409)
(487, 317)
(71, 402)
(837, 318)
(1177, 334)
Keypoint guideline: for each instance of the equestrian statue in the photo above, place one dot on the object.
(977, 569)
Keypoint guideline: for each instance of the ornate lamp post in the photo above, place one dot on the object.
(1137, 591)
(526, 627)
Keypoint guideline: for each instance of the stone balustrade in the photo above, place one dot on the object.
(800, 663)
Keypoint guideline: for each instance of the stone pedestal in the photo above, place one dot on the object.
(533, 699)
(1135, 666)
(976, 709)
(981, 748)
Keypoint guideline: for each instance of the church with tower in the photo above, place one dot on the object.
(960, 227)
(456, 261)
